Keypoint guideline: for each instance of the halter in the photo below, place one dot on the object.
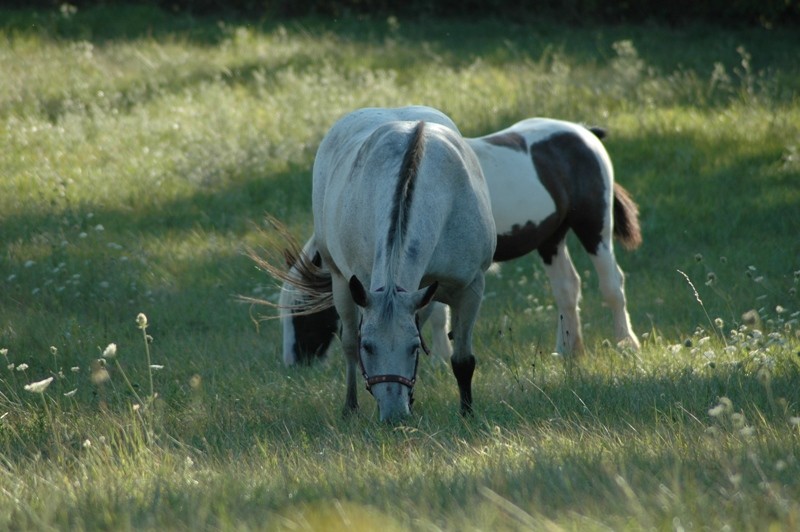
(378, 379)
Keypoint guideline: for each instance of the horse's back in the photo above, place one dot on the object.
(340, 148)
(356, 178)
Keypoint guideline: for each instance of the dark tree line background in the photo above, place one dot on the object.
(674, 12)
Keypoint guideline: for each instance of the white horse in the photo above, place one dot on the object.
(545, 177)
(399, 203)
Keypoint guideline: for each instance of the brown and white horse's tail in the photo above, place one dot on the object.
(626, 219)
(298, 271)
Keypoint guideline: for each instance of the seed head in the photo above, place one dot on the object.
(110, 351)
(141, 321)
(725, 405)
(39, 387)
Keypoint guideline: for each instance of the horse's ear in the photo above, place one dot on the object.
(357, 292)
(424, 296)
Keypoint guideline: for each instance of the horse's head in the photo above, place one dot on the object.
(389, 344)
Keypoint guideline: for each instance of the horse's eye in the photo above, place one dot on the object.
(368, 348)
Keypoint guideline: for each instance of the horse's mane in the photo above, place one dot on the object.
(309, 277)
(404, 191)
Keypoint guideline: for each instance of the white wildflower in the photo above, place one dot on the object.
(110, 351)
(40, 386)
(22, 367)
(724, 406)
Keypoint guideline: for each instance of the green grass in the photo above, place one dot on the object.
(140, 153)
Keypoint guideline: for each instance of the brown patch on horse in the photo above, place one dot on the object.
(314, 334)
(570, 172)
(521, 240)
(511, 140)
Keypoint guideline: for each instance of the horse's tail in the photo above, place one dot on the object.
(626, 219)
(300, 272)
(599, 132)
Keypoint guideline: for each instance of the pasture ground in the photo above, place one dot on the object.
(140, 153)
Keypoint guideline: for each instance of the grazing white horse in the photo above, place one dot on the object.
(545, 177)
(399, 203)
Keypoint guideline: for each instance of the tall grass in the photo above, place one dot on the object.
(138, 162)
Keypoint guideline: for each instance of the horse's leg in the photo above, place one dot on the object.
(612, 286)
(566, 286)
(465, 309)
(438, 315)
(348, 313)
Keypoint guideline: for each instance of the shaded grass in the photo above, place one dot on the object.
(138, 163)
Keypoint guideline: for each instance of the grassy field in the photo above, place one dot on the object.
(140, 153)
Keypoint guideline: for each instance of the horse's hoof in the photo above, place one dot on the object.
(630, 342)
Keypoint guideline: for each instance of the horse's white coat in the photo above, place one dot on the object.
(515, 191)
(449, 237)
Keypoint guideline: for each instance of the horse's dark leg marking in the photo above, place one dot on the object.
(465, 307)
(463, 370)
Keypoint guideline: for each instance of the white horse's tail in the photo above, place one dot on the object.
(300, 272)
